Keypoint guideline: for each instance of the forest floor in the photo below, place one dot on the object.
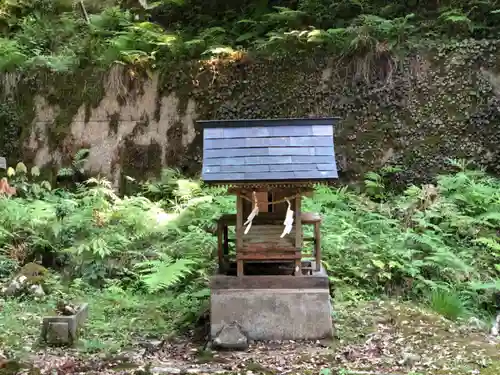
(383, 337)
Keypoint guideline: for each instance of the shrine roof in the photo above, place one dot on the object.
(273, 150)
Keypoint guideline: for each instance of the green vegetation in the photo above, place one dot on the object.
(143, 261)
(61, 35)
(147, 257)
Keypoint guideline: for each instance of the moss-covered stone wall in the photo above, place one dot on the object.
(415, 111)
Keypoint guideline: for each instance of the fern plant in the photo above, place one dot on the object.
(448, 303)
(162, 239)
(164, 272)
(77, 164)
(376, 183)
(455, 21)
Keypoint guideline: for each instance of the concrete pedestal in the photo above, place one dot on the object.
(271, 307)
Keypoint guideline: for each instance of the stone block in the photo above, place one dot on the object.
(272, 307)
(63, 330)
(231, 336)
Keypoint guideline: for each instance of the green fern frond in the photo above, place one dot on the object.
(163, 275)
(65, 172)
(81, 155)
(490, 243)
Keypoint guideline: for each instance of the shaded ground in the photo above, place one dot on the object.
(372, 338)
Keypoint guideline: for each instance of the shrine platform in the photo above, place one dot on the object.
(272, 307)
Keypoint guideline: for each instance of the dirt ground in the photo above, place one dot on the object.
(371, 339)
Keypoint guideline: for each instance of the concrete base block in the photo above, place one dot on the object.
(296, 308)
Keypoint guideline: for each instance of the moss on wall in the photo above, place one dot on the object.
(114, 122)
(140, 161)
(10, 130)
(174, 154)
(68, 91)
(432, 108)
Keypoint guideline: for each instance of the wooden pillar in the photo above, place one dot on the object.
(317, 245)
(239, 234)
(226, 242)
(220, 249)
(298, 233)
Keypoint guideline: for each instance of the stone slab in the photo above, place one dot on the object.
(222, 282)
(273, 314)
(318, 280)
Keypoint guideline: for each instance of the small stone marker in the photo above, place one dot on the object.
(231, 336)
(63, 330)
(3, 163)
(58, 333)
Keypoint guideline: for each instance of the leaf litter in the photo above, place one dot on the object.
(373, 338)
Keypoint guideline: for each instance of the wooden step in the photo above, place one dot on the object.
(266, 255)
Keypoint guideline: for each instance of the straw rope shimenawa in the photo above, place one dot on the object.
(255, 211)
(283, 200)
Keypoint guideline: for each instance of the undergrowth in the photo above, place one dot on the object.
(148, 256)
(61, 36)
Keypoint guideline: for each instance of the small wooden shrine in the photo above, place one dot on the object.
(269, 165)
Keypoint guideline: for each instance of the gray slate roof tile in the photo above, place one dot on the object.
(311, 141)
(313, 159)
(211, 144)
(291, 131)
(322, 130)
(224, 161)
(292, 167)
(234, 152)
(267, 142)
(265, 176)
(314, 174)
(224, 177)
(326, 167)
(268, 159)
(244, 168)
(291, 150)
(324, 151)
(213, 133)
(265, 132)
(211, 169)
